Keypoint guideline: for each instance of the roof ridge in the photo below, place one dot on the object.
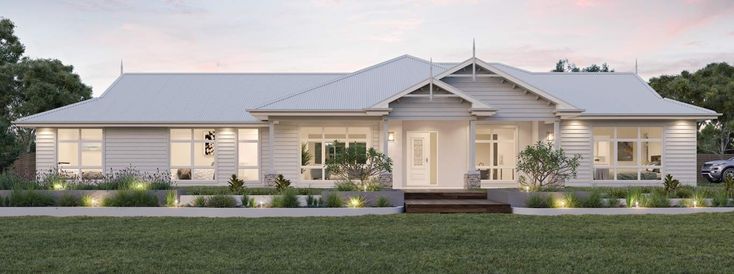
(233, 73)
(336, 80)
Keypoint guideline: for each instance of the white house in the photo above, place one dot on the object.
(445, 125)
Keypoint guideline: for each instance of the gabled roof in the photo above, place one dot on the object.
(140, 98)
(361, 89)
(605, 93)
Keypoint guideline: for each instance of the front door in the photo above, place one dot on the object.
(419, 158)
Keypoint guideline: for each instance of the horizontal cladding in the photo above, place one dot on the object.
(679, 157)
(226, 154)
(425, 107)
(576, 139)
(146, 149)
(509, 102)
(45, 149)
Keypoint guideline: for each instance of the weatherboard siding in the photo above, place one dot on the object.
(511, 103)
(576, 138)
(45, 149)
(225, 151)
(679, 155)
(440, 108)
(145, 149)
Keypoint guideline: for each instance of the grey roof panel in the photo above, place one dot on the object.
(182, 98)
(600, 93)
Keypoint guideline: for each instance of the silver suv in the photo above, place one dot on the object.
(714, 171)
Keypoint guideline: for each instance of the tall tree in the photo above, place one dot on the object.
(711, 87)
(29, 86)
(563, 65)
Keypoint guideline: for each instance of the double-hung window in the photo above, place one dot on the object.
(80, 153)
(192, 154)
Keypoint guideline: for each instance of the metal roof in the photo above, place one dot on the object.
(153, 98)
(182, 98)
(604, 93)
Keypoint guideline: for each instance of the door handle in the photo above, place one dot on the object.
(426, 160)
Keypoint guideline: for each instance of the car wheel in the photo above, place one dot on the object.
(728, 172)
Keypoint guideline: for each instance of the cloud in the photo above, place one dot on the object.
(392, 30)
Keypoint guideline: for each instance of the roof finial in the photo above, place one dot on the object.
(636, 66)
(473, 59)
(430, 79)
(121, 69)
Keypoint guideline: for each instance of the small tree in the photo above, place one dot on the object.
(356, 163)
(545, 167)
(236, 185)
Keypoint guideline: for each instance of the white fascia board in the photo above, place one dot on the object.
(476, 104)
(641, 117)
(384, 104)
(116, 125)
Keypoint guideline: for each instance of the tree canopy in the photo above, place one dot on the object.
(711, 87)
(563, 65)
(30, 86)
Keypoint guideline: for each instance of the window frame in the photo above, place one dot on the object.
(80, 142)
(256, 167)
(515, 145)
(614, 165)
(192, 145)
(323, 140)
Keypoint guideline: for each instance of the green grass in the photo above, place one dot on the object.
(373, 244)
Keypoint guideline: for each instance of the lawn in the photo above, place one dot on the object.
(383, 244)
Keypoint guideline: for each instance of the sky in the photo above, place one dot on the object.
(665, 37)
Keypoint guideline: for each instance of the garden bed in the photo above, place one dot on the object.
(259, 200)
(617, 211)
(195, 212)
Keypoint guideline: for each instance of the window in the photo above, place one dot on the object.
(627, 153)
(80, 153)
(496, 153)
(318, 146)
(248, 154)
(192, 154)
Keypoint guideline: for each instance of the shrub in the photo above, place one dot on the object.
(333, 200)
(635, 198)
(612, 202)
(382, 202)
(721, 199)
(87, 201)
(538, 201)
(312, 201)
(699, 198)
(171, 198)
(69, 200)
(355, 163)
(729, 185)
(670, 184)
(236, 185)
(10, 181)
(593, 201)
(345, 185)
(199, 201)
(221, 201)
(131, 198)
(30, 198)
(617, 192)
(287, 199)
(658, 199)
(569, 200)
(684, 192)
(247, 201)
(545, 166)
(371, 185)
(281, 183)
(356, 202)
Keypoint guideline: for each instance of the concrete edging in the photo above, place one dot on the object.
(617, 211)
(194, 212)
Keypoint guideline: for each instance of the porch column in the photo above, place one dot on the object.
(269, 177)
(472, 178)
(386, 177)
(535, 133)
(557, 133)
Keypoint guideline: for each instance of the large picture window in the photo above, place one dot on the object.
(192, 154)
(318, 146)
(80, 153)
(248, 154)
(627, 153)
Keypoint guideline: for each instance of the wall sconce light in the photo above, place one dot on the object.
(550, 136)
(391, 136)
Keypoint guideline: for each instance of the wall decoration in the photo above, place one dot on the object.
(625, 151)
(209, 146)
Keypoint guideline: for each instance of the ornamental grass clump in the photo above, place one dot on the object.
(171, 198)
(542, 166)
(658, 199)
(69, 200)
(30, 198)
(288, 199)
(594, 200)
(382, 201)
(720, 199)
(635, 198)
(221, 201)
(131, 198)
(568, 200)
(333, 200)
(538, 201)
(356, 202)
